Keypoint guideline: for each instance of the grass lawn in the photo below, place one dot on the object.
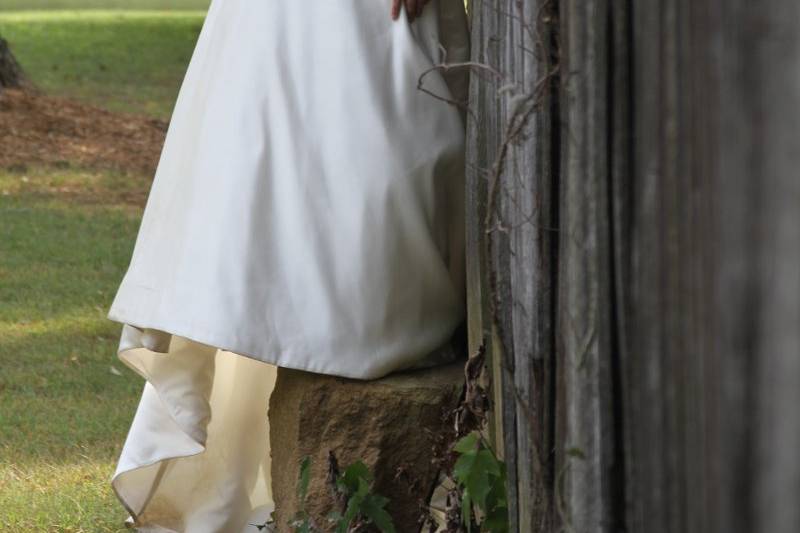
(131, 61)
(63, 411)
(161, 5)
(66, 235)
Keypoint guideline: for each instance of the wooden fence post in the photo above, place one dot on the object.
(511, 218)
(635, 254)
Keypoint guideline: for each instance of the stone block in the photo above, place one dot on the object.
(390, 424)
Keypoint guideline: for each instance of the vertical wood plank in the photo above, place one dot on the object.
(529, 222)
(517, 267)
(586, 437)
(483, 127)
(758, 293)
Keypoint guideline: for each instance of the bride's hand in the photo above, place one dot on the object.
(413, 8)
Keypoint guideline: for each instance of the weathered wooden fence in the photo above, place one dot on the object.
(634, 259)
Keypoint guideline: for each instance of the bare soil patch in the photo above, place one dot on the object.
(39, 130)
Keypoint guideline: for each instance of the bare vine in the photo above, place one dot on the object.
(521, 105)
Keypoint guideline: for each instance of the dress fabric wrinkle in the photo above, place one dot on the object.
(306, 212)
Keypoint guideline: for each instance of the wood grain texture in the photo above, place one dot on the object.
(586, 431)
(511, 180)
(651, 337)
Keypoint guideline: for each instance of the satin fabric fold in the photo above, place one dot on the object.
(196, 458)
(307, 212)
(307, 209)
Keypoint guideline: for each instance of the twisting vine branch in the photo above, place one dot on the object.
(520, 104)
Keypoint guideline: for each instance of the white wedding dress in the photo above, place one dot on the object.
(307, 212)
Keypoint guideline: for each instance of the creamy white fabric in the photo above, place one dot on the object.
(307, 212)
(197, 455)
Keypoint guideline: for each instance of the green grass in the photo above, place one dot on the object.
(130, 61)
(18, 5)
(63, 411)
(65, 240)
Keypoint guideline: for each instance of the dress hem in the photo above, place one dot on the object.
(181, 438)
(443, 354)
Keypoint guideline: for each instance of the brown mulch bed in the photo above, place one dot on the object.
(41, 130)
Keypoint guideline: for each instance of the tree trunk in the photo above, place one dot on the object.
(10, 72)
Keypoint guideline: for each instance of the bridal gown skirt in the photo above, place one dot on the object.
(307, 212)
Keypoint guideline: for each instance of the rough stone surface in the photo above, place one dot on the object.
(390, 424)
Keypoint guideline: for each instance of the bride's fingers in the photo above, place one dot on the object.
(412, 8)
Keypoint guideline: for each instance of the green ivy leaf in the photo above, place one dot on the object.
(355, 483)
(482, 478)
(487, 459)
(463, 467)
(472, 471)
(344, 522)
(497, 495)
(354, 504)
(349, 479)
(496, 522)
(466, 511)
(373, 508)
(467, 444)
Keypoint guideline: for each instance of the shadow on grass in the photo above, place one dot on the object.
(60, 266)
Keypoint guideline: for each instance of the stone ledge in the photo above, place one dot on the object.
(390, 424)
